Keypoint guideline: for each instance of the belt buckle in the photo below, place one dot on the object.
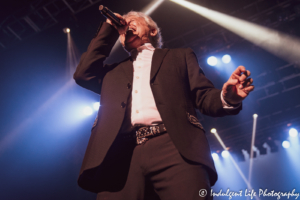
(142, 140)
(141, 135)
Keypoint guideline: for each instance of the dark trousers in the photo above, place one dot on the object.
(154, 171)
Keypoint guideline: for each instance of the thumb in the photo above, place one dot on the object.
(108, 21)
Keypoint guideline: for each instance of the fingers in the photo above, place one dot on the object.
(244, 76)
(239, 84)
(239, 70)
(118, 16)
(121, 18)
(246, 83)
(111, 23)
(121, 29)
(241, 74)
(240, 78)
(249, 89)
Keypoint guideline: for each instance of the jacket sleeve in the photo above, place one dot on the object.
(205, 96)
(91, 70)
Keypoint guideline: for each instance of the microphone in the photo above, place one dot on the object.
(110, 15)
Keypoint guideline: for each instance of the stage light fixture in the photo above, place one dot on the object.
(286, 144)
(212, 61)
(293, 132)
(87, 111)
(215, 156)
(96, 106)
(225, 154)
(213, 130)
(66, 30)
(226, 59)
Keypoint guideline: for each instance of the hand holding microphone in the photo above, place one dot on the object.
(114, 19)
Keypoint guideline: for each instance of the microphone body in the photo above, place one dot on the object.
(110, 15)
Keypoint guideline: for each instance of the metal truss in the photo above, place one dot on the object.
(38, 16)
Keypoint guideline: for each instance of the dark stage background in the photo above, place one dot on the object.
(43, 133)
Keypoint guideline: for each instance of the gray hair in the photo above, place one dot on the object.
(156, 41)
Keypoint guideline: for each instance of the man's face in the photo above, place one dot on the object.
(138, 35)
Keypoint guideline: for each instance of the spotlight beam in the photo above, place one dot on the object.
(13, 135)
(72, 56)
(252, 146)
(149, 9)
(234, 163)
(282, 45)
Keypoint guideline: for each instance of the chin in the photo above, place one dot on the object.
(131, 46)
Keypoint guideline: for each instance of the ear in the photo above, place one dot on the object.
(153, 32)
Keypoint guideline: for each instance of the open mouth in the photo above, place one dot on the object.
(130, 36)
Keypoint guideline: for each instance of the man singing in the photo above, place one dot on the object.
(146, 134)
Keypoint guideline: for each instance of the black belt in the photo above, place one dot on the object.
(141, 134)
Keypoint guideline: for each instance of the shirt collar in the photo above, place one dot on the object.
(135, 52)
(146, 46)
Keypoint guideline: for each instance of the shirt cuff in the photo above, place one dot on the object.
(227, 105)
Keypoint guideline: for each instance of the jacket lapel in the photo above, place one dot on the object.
(127, 66)
(157, 59)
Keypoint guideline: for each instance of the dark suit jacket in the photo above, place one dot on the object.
(178, 85)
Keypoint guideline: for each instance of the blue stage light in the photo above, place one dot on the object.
(226, 59)
(225, 154)
(286, 144)
(215, 156)
(212, 61)
(96, 106)
(293, 132)
(87, 111)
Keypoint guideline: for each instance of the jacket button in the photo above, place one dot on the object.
(129, 85)
(123, 104)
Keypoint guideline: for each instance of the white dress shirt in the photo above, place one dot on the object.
(144, 110)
